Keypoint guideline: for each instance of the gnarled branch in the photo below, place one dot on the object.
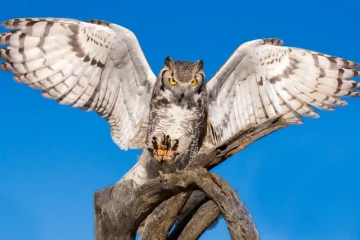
(187, 218)
(199, 222)
(117, 219)
(120, 209)
(152, 228)
(214, 157)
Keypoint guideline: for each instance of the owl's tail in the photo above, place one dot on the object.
(137, 173)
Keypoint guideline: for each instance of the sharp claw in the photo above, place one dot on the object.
(176, 144)
(151, 150)
(163, 140)
(155, 142)
(168, 142)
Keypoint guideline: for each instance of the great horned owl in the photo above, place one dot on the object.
(178, 110)
(99, 66)
(177, 120)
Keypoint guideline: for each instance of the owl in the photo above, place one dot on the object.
(99, 66)
(177, 117)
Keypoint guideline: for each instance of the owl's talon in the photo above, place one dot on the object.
(167, 142)
(163, 140)
(176, 144)
(164, 150)
(155, 142)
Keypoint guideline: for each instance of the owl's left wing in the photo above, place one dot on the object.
(95, 66)
(263, 79)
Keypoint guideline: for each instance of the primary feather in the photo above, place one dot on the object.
(262, 79)
(95, 66)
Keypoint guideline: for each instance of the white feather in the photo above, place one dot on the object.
(94, 66)
(272, 79)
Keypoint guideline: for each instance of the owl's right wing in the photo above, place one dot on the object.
(263, 79)
(95, 65)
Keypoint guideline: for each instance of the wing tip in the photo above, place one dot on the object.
(6, 23)
(273, 41)
(16, 22)
(99, 22)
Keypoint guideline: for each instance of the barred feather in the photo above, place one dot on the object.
(262, 79)
(93, 66)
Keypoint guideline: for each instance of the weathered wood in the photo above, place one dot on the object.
(152, 229)
(184, 221)
(116, 219)
(237, 217)
(120, 209)
(213, 157)
(200, 221)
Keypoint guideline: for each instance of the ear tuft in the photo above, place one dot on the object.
(169, 62)
(200, 65)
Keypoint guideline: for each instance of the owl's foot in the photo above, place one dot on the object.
(164, 150)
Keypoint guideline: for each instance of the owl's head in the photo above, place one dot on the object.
(182, 78)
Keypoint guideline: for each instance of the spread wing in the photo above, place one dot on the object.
(91, 65)
(262, 79)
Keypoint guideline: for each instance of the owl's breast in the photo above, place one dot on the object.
(181, 122)
(178, 120)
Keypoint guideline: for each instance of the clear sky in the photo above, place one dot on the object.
(298, 183)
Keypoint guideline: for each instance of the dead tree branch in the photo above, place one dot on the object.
(214, 157)
(184, 221)
(199, 222)
(120, 209)
(117, 219)
(152, 228)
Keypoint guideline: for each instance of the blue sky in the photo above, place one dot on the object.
(298, 183)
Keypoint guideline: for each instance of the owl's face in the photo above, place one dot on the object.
(182, 79)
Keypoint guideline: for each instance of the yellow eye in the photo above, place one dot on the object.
(172, 81)
(193, 82)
